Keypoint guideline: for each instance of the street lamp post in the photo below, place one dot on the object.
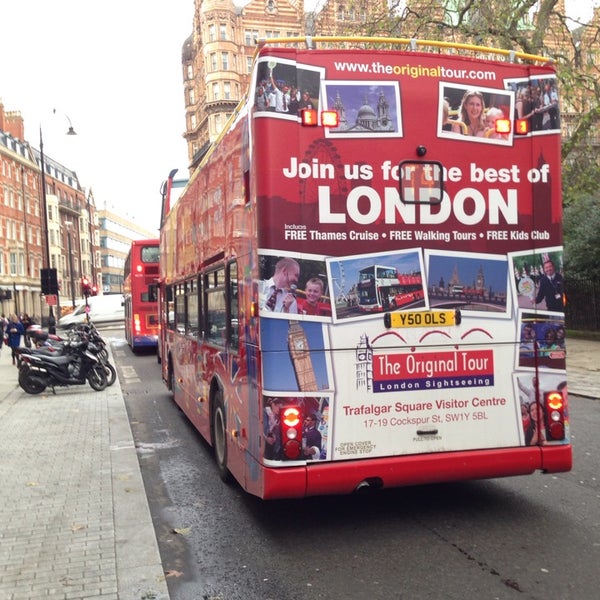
(49, 274)
(50, 283)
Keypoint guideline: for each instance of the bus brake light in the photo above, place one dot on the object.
(503, 126)
(329, 118)
(309, 117)
(555, 416)
(291, 432)
(522, 126)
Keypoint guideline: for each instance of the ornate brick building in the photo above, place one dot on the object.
(67, 241)
(217, 56)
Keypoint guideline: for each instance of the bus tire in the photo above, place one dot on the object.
(219, 434)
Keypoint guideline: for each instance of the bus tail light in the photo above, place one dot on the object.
(503, 126)
(291, 432)
(522, 126)
(555, 415)
(309, 117)
(329, 118)
(137, 326)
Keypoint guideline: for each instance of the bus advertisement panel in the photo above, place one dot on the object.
(370, 292)
(140, 293)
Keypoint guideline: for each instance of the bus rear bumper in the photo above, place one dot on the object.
(349, 476)
(145, 341)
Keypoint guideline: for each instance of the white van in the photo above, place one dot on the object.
(102, 309)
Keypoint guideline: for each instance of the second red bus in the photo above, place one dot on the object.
(140, 292)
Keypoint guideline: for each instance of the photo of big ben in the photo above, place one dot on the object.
(300, 354)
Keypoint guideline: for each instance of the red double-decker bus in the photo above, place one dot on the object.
(418, 157)
(140, 294)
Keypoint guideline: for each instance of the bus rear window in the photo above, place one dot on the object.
(421, 182)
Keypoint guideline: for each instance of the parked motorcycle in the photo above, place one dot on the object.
(75, 365)
(54, 345)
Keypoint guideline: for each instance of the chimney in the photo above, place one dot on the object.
(14, 124)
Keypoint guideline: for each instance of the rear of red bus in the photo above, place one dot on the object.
(140, 289)
(388, 160)
(446, 386)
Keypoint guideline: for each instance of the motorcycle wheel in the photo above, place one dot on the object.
(97, 378)
(29, 384)
(111, 374)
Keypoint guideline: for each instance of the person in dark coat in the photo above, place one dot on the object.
(15, 331)
(27, 322)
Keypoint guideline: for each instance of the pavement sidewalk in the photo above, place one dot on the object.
(74, 517)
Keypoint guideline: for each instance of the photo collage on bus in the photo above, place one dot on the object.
(489, 248)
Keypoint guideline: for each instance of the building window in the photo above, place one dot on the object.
(212, 33)
(12, 258)
(190, 71)
(227, 90)
(215, 91)
(225, 61)
(250, 37)
(213, 62)
(223, 32)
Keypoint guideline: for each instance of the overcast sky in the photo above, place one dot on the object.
(113, 69)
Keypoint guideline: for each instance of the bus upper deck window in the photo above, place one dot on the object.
(421, 182)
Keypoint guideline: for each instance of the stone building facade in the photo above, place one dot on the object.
(68, 241)
(217, 56)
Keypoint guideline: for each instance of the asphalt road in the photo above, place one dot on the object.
(535, 537)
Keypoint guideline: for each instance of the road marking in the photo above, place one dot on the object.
(129, 374)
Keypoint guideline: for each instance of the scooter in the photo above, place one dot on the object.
(53, 345)
(76, 365)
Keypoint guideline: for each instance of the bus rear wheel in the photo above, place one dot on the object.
(219, 435)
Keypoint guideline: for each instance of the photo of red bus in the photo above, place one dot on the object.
(390, 189)
(140, 294)
(381, 288)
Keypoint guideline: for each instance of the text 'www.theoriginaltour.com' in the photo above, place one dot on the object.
(377, 68)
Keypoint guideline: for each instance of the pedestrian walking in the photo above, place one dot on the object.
(15, 331)
(27, 322)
